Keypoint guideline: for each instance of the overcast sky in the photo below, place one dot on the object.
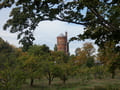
(45, 33)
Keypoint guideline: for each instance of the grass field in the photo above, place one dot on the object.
(75, 84)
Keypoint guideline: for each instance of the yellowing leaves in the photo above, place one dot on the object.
(82, 54)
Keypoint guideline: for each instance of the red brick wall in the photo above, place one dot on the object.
(62, 43)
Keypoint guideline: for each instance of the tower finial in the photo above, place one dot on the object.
(66, 34)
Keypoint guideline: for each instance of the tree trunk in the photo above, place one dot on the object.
(64, 79)
(31, 81)
(95, 75)
(113, 74)
(49, 81)
(49, 78)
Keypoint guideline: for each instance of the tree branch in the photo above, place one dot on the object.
(71, 21)
(105, 23)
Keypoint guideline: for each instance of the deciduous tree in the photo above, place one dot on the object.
(11, 75)
(99, 17)
(36, 54)
(109, 57)
(85, 55)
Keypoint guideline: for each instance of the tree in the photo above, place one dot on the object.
(62, 63)
(31, 66)
(99, 71)
(109, 57)
(38, 50)
(49, 69)
(77, 51)
(90, 62)
(55, 47)
(35, 55)
(52, 66)
(100, 18)
(89, 49)
(59, 57)
(65, 71)
(85, 55)
(81, 58)
(11, 75)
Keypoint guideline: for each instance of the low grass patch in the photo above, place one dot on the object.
(74, 84)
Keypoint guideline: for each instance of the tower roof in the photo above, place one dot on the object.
(61, 35)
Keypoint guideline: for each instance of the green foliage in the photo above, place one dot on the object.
(110, 57)
(49, 70)
(11, 75)
(90, 62)
(39, 62)
(11, 78)
(99, 71)
(65, 71)
(38, 50)
(59, 57)
(32, 61)
(55, 47)
(85, 55)
(99, 17)
(84, 74)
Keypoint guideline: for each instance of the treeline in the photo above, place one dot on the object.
(40, 62)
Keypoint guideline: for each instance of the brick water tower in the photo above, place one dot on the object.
(62, 43)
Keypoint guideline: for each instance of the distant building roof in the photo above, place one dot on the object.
(61, 35)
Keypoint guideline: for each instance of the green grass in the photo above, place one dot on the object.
(75, 84)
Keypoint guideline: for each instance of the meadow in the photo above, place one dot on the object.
(75, 84)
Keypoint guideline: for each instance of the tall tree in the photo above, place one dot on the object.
(62, 66)
(49, 69)
(33, 62)
(85, 55)
(11, 75)
(54, 63)
(100, 17)
(89, 49)
(55, 47)
(77, 51)
(109, 57)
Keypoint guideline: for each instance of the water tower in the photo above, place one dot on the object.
(62, 43)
